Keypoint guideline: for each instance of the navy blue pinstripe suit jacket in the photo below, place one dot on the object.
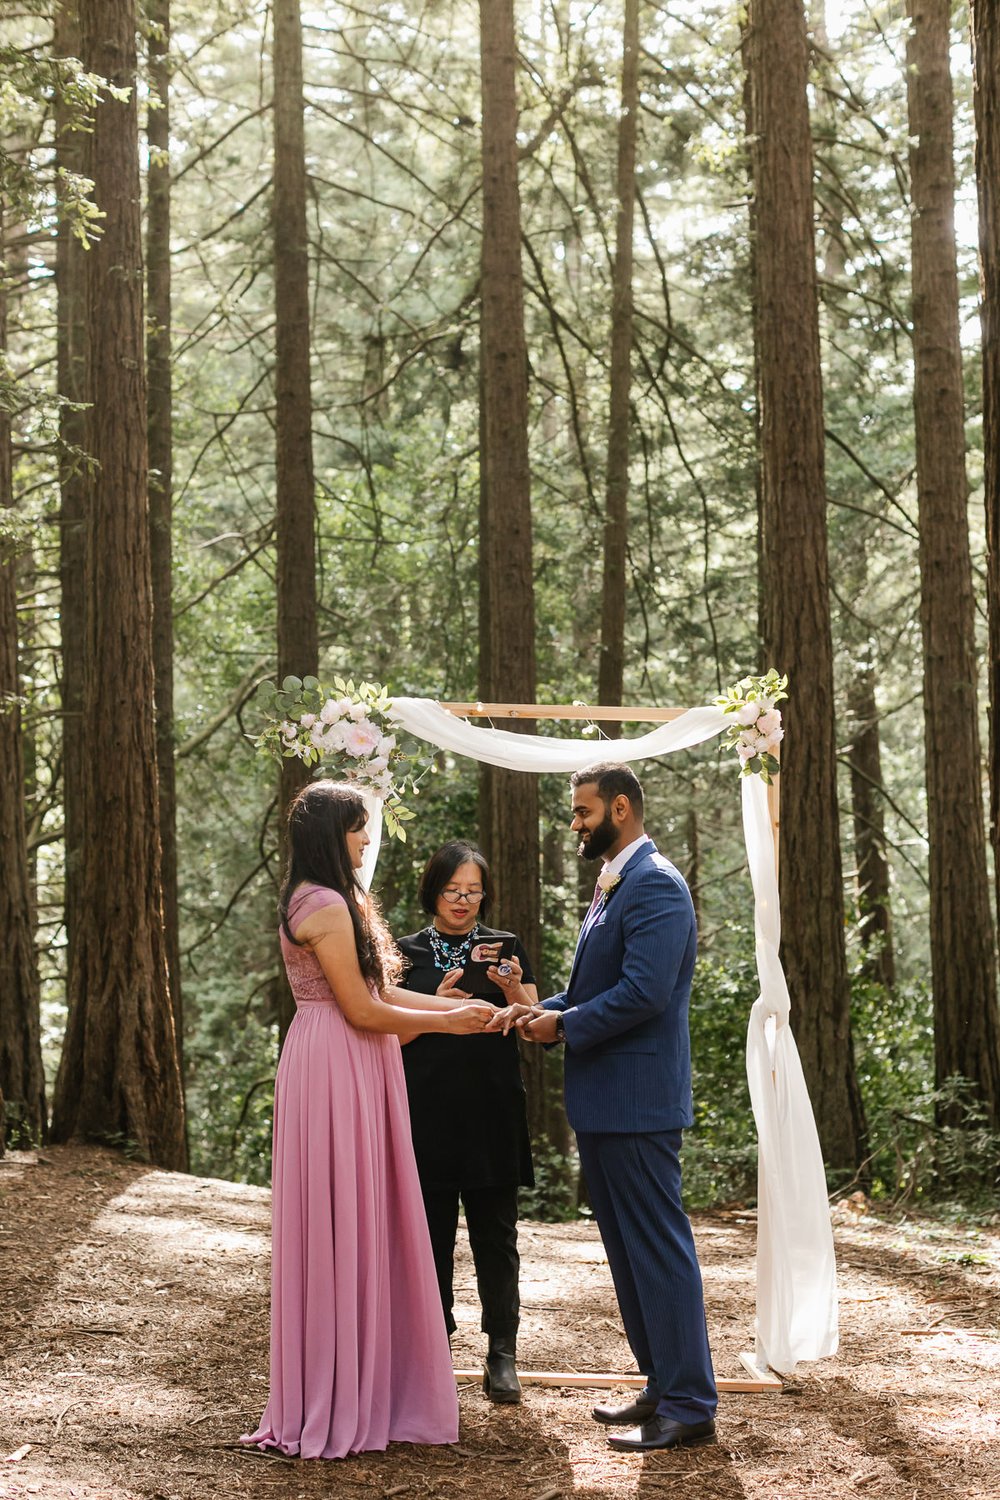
(628, 1056)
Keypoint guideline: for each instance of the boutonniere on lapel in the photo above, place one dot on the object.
(608, 882)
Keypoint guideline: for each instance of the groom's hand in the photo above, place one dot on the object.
(504, 1019)
(540, 1027)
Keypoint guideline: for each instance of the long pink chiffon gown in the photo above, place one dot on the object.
(359, 1351)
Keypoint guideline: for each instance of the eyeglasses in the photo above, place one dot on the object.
(453, 896)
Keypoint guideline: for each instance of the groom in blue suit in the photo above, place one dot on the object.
(623, 1018)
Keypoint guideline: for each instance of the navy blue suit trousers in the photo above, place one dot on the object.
(634, 1183)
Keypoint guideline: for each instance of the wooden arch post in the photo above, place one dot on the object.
(759, 1380)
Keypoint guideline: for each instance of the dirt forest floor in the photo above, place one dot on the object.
(133, 1318)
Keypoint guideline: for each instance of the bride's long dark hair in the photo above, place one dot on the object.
(319, 820)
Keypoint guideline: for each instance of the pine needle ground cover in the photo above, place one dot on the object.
(134, 1308)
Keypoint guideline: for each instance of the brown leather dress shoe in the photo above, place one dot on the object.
(636, 1411)
(662, 1432)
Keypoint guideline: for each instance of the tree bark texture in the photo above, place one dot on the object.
(986, 100)
(23, 1116)
(795, 615)
(508, 800)
(72, 152)
(611, 672)
(298, 649)
(868, 815)
(966, 1019)
(119, 1078)
(160, 416)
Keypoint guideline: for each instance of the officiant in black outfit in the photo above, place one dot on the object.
(467, 1109)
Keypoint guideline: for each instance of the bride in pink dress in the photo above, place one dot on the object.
(359, 1351)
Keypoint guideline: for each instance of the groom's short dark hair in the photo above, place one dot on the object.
(612, 779)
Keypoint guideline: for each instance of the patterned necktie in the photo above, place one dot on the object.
(600, 896)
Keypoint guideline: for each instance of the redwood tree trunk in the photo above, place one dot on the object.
(23, 1116)
(869, 823)
(795, 614)
(611, 671)
(119, 1078)
(72, 150)
(508, 800)
(298, 650)
(986, 99)
(966, 1020)
(160, 408)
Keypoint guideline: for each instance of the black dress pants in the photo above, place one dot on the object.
(491, 1217)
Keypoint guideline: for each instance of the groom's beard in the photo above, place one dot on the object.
(599, 841)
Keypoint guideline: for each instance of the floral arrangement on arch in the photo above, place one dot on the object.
(349, 733)
(756, 731)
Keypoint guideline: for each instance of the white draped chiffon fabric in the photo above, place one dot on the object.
(796, 1271)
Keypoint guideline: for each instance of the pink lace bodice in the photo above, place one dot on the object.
(305, 974)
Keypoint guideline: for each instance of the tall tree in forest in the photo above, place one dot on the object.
(508, 800)
(865, 751)
(868, 815)
(118, 1077)
(966, 1018)
(71, 146)
(612, 660)
(298, 649)
(986, 101)
(160, 409)
(22, 1081)
(795, 607)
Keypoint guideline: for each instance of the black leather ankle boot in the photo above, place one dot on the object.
(500, 1380)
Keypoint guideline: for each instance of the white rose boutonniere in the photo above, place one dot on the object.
(608, 880)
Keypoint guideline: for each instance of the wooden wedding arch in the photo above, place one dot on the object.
(758, 1380)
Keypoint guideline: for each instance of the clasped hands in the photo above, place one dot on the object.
(533, 1022)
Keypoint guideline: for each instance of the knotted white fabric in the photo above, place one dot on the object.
(796, 1271)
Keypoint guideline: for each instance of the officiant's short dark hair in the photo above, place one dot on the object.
(440, 871)
(612, 779)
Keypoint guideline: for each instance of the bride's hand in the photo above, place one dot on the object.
(504, 1019)
(468, 1018)
(447, 986)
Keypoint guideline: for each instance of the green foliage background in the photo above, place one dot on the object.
(392, 141)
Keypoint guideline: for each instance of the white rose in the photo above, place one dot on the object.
(769, 722)
(765, 705)
(760, 741)
(330, 712)
(307, 721)
(316, 736)
(386, 745)
(333, 739)
(344, 707)
(378, 763)
(748, 740)
(357, 711)
(747, 713)
(775, 739)
(290, 731)
(746, 752)
(384, 782)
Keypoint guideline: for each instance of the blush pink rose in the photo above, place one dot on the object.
(361, 739)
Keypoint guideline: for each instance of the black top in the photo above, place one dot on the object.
(467, 1106)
